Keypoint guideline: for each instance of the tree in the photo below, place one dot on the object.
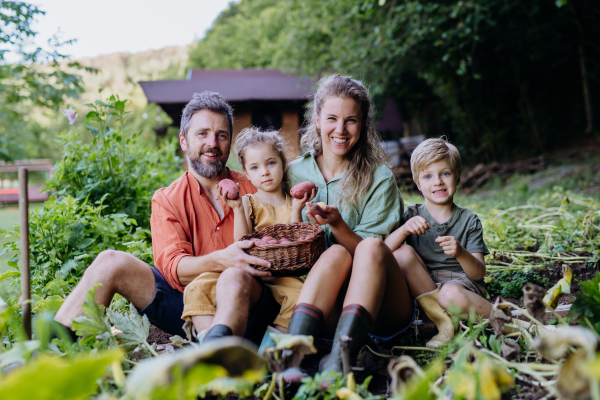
(35, 82)
(511, 77)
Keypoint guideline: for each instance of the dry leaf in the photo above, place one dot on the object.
(533, 300)
(288, 352)
(401, 370)
(572, 383)
(500, 315)
(554, 345)
(510, 349)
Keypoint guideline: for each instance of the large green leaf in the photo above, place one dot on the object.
(134, 327)
(183, 374)
(95, 323)
(57, 378)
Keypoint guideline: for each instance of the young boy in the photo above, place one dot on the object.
(442, 259)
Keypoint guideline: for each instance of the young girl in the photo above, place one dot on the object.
(261, 155)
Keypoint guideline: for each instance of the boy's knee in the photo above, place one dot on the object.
(406, 256)
(453, 294)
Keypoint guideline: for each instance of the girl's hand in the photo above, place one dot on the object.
(450, 245)
(298, 204)
(332, 216)
(237, 203)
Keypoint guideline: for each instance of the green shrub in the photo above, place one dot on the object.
(112, 166)
(66, 236)
(510, 283)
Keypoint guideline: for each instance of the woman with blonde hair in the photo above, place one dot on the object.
(347, 163)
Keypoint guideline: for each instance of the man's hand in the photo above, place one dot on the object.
(450, 245)
(237, 203)
(416, 226)
(234, 256)
(332, 216)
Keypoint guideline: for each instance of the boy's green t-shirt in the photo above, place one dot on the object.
(378, 211)
(464, 225)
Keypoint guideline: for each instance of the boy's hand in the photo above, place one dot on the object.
(450, 245)
(298, 204)
(237, 203)
(416, 226)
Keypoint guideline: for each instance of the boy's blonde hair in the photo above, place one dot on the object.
(434, 150)
(252, 137)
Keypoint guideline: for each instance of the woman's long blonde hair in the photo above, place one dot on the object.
(367, 154)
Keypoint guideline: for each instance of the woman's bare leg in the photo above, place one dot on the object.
(378, 285)
(326, 278)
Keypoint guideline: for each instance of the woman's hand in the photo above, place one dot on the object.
(332, 217)
(234, 204)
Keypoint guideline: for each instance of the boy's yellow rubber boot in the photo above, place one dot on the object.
(429, 303)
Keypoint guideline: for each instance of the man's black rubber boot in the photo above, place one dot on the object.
(306, 320)
(217, 332)
(355, 322)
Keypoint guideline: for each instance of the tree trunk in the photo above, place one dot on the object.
(586, 92)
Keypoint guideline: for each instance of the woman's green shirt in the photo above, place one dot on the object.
(378, 211)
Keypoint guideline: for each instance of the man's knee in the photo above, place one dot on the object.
(109, 266)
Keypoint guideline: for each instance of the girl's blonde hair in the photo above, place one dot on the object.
(431, 151)
(367, 154)
(252, 137)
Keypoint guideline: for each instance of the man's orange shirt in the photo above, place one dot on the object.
(184, 223)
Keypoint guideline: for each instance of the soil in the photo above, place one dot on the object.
(158, 336)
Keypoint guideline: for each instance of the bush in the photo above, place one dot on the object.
(113, 167)
(510, 283)
(101, 200)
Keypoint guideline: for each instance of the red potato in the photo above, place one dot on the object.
(315, 209)
(229, 186)
(274, 241)
(284, 241)
(308, 237)
(266, 238)
(301, 189)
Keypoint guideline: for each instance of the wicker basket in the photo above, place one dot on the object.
(291, 259)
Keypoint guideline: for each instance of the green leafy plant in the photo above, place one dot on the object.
(587, 303)
(510, 283)
(111, 166)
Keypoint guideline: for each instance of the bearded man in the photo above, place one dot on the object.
(192, 233)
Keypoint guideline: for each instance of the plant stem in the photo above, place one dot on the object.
(271, 387)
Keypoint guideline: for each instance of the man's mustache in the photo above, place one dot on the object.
(214, 150)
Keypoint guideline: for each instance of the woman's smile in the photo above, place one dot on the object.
(340, 124)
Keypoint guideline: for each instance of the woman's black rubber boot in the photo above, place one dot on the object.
(355, 323)
(306, 320)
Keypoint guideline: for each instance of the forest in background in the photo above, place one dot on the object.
(503, 79)
(510, 78)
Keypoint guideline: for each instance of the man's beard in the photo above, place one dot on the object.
(208, 169)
